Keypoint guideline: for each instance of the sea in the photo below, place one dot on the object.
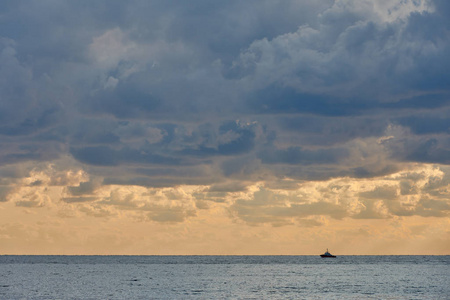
(224, 277)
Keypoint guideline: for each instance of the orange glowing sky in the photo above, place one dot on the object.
(384, 215)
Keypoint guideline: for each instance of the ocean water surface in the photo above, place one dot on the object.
(224, 277)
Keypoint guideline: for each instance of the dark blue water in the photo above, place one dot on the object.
(224, 277)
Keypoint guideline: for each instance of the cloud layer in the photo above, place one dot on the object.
(289, 113)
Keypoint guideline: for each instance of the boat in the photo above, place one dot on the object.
(327, 254)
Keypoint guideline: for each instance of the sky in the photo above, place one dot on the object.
(259, 127)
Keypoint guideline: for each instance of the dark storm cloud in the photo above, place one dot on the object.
(426, 125)
(220, 29)
(427, 150)
(286, 100)
(252, 90)
(349, 64)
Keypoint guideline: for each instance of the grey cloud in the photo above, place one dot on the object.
(233, 139)
(133, 131)
(201, 204)
(433, 208)
(319, 208)
(4, 192)
(164, 213)
(408, 188)
(93, 132)
(157, 182)
(334, 69)
(170, 176)
(29, 203)
(12, 172)
(240, 167)
(169, 215)
(188, 171)
(147, 93)
(233, 186)
(370, 211)
(85, 188)
(321, 172)
(96, 210)
(309, 223)
(106, 156)
(19, 157)
(268, 207)
(317, 130)
(427, 150)
(388, 200)
(427, 101)
(424, 208)
(386, 192)
(100, 156)
(372, 171)
(266, 214)
(126, 100)
(29, 103)
(36, 183)
(281, 184)
(297, 155)
(427, 125)
(32, 200)
(146, 24)
(126, 200)
(21, 151)
(436, 186)
(213, 196)
(229, 25)
(78, 199)
(275, 99)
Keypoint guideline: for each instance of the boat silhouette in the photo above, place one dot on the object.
(327, 254)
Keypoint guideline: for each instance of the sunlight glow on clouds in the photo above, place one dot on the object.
(254, 127)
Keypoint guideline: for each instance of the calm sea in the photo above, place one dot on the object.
(224, 277)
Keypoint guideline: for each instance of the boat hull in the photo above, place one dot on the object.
(325, 256)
